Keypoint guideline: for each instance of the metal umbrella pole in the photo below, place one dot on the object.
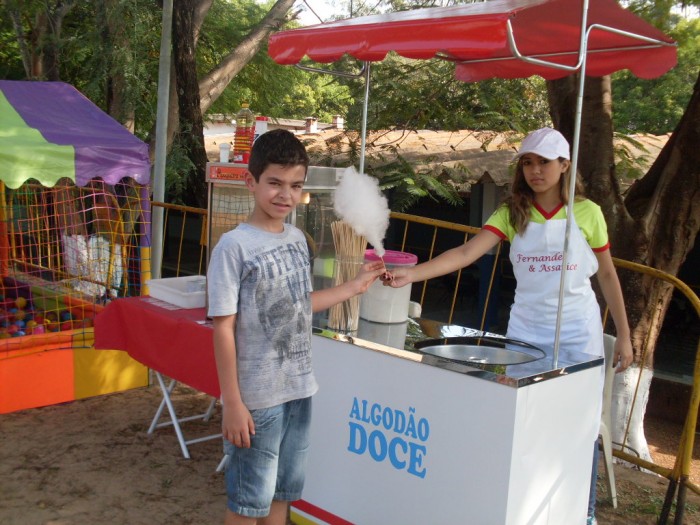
(365, 105)
(583, 50)
(581, 67)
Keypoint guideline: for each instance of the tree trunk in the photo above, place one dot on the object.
(191, 122)
(656, 225)
(666, 203)
(116, 37)
(51, 42)
(200, 13)
(212, 85)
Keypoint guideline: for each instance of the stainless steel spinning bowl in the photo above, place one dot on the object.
(481, 350)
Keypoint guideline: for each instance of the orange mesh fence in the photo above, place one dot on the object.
(64, 252)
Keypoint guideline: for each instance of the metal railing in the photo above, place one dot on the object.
(404, 227)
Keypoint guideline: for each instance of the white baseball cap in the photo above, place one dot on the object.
(545, 142)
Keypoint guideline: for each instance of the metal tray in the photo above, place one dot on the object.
(483, 350)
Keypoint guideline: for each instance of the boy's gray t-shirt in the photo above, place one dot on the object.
(265, 279)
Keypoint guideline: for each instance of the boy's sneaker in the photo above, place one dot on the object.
(591, 521)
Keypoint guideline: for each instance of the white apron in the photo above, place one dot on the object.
(537, 256)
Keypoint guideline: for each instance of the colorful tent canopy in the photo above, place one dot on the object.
(49, 130)
(475, 37)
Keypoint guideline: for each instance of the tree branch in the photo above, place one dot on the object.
(214, 83)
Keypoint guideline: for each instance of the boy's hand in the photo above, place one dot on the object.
(368, 274)
(397, 278)
(237, 424)
(623, 356)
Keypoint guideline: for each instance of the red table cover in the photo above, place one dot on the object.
(170, 340)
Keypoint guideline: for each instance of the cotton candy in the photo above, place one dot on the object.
(359, 202)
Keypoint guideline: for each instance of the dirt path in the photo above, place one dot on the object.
(91, 462)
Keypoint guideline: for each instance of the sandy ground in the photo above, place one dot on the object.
(91, 462)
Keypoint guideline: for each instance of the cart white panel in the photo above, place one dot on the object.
(477, 452)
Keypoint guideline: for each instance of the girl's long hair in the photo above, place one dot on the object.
(522, 198)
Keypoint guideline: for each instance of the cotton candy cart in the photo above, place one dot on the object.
(493, 450)
(74, 234)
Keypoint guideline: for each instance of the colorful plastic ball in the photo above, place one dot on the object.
(18, 333)
(20, 314)
(66, 315)
(20, 324)
(66, 325)
(39, 329)
(39, 318)
(21, 302)
(12, 329)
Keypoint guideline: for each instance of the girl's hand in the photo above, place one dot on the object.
(397, 278)
(623, 356)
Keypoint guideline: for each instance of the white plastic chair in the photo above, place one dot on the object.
(606, 415)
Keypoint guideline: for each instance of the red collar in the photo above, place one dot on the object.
(549, 215)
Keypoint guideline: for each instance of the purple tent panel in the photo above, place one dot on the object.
(64, 116)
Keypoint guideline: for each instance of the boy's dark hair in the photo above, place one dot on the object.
(278, 146)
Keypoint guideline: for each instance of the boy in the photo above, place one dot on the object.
(260, 299)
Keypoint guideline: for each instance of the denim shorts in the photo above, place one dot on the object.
(273, 467)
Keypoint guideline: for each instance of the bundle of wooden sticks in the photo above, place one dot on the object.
(349, 257)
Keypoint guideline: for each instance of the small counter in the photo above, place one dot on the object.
(401, 437)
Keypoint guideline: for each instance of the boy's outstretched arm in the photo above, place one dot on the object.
(324, 299)
(237, 424)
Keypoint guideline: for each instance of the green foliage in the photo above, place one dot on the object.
(89, 60)
(424, 94)
(629, 163)
(655, 106)
(412, 182)
(177, 167)
(272, 90)
(10, 60)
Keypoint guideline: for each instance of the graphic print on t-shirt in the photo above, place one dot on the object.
(283, 289)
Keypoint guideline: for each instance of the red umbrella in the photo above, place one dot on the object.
(476, 38)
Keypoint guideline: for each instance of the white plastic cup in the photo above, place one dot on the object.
(224, 151)
(384, 304)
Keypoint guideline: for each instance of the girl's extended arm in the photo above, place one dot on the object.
(610, 286)
(447, 262)
(237, 424)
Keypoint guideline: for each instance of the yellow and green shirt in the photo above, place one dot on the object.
(588, 215)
